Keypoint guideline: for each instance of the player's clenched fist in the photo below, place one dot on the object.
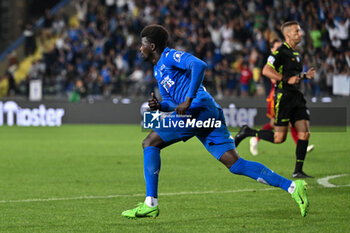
(181, 108)
(153, 103)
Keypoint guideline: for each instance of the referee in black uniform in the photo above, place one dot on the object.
(285, 66)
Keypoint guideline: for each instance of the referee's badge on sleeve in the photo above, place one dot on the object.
(271, 59)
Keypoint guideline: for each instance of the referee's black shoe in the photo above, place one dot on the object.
(301, 175)
(244, 132)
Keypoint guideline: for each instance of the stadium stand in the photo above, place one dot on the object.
(95, 52)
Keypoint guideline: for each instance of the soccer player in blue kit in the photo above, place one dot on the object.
(180, 75)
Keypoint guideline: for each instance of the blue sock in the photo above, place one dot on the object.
(151, 166)
(259, 172)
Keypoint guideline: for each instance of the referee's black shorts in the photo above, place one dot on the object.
(290, 107)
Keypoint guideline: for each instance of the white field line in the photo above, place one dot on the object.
(323, 181)
(132, 195)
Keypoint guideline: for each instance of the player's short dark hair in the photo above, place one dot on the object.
(274, 41)
(156, 34)
(287, 24)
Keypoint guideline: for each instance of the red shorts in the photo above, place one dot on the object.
(271, 104)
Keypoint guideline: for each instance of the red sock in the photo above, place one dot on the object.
(267, 126)
(294, 134)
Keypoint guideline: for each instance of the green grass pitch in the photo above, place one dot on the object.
(79, 178)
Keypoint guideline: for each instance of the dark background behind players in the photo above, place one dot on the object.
(102, 50)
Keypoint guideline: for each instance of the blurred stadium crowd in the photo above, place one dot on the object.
(96, 54)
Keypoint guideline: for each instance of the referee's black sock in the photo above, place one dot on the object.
(267, 135)
(301, 153)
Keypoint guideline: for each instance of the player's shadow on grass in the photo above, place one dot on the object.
(281, 214)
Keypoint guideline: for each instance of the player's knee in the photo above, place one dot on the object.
(150, 141)
(303, 135)
(229, 158)
(146, 143)
(279, 139)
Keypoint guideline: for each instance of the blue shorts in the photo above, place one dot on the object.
(216, 140)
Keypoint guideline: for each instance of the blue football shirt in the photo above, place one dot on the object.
(180, 75)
